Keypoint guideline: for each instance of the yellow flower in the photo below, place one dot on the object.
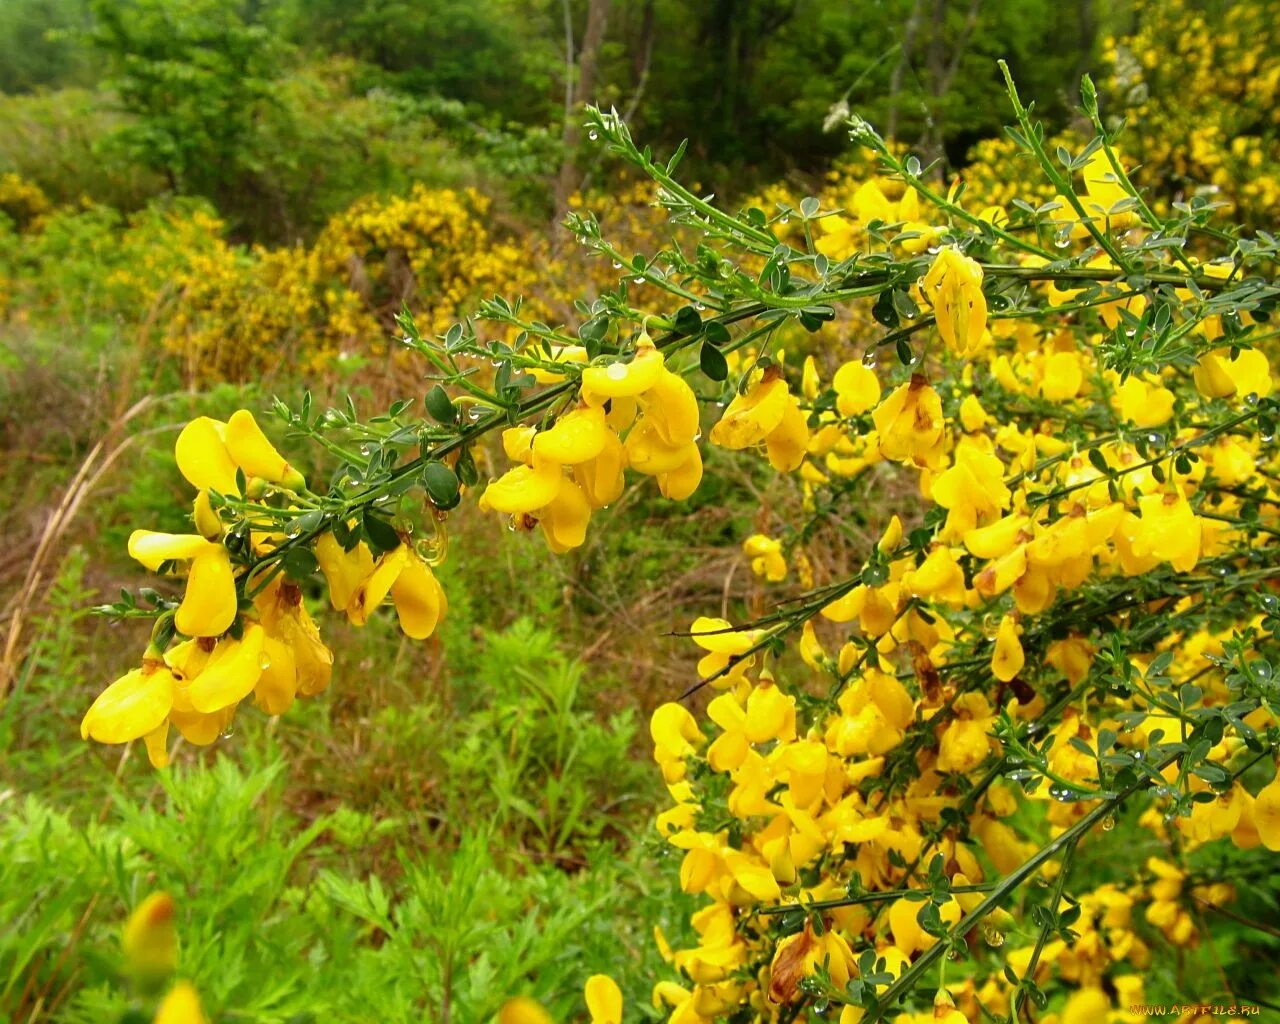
(972, 489)
(1142, 403)
(150, 939)
(675, 735)
(523, 489)
(604, 1000)
(210, 603)
(910, 425)
(134, 705)
(1217, 375)
(181, 1006)
(964, 743)
(857, 389)
(1008, 659)
(766, 557)
(210, 451)
(1103, 192)
(1266, 814)
(954, 286)
(203, 457)
(766, 412)
(358, 585)
(578, 436)
(252, 452)
(523, 1010)
(1168, 531)
(230, 674)
(1086, 1006)
(602, 478)
(622, 380)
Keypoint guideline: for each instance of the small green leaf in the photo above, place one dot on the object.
(713, 362)
(299, 564)
(380, 534)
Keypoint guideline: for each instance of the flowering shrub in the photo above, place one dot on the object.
(1071, 616)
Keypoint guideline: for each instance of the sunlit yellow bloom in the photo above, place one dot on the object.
(675, 735)
(1103, 192)
(622, 380)
(767, 413)
(135, 704)
(523, 489)
(1168, 531)
(766, 557)
(909, 424)
(1217, 375)
(954, 286)
(523, 1010)
(203, 457)
(253, 453)
(180, 1006)
(857, 389)
(604, 1000)
(602, 478)
(964, 743)
(231, 673)
(1266, 814)
(1142, 403)
(209, 604)
(972, 489)
(577, 436)
(1007, 659)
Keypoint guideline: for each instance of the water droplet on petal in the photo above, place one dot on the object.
(616, 371)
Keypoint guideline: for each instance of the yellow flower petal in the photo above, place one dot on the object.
(523, 489)
(181, 1006)
(232, 672)
(751, 417)
(523, 1010)
(1008, 659)
(576, 437)
(604, 1000)
(203, 457)
(419, 598)
(249, 448)
(622, 380)
(344, 571)
(564, 521)
(857, 389)
(374, 590)
(134, 705)
(209, 605)
(152, 549)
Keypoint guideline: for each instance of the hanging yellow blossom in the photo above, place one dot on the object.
(954, 286)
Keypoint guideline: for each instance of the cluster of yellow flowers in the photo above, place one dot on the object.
(245, 627)
(656, 410)
(802, 811)
(1230, 148)
(22, 201)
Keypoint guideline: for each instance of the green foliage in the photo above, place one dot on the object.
(495, 55)
(37, 44)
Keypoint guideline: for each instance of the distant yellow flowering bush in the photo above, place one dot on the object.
(1203, 102)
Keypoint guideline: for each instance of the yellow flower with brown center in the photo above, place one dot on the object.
(909, 424)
